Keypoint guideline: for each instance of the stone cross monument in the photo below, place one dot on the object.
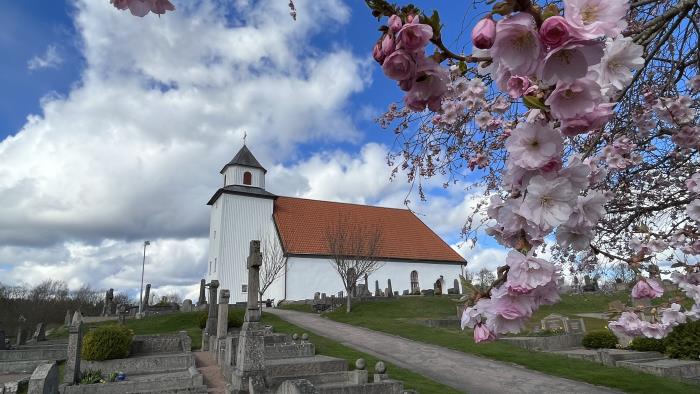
(202, 293)
(75, 341)
(250, 353)
(213, 308)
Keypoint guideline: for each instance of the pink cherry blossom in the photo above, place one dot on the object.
(577, 172)
(622, 56)
(507, 313)
(414, 36)
(377, 53)
(555, 31)
(161, 6)
(548, 201)
(517, 46)
(673, 316)
(571, 99)
(655, 330)
(594, 18)
(519, 86)
(647, 288)
(395, 23)
(578, 238)
(399, 66)
(482, 333)
(531, 146)
(526, 273)
(388, 45)
(484, 33)
(695, 84)
(570, 61)
(628, 324)
(693, 183)
(583, 123)
(693, 210)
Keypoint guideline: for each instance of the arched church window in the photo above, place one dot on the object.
(247, 178)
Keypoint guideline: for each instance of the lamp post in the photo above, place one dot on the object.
(143, 266)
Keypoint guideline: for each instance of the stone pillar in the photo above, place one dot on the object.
(20, 331)
(202, 293)
(222, 326)
(250, 352)
(389, 290)
(377, 292)
(67, 319)
(456, 286)
(39, 333)
(75, 341)
(146, 297)
(213, 308)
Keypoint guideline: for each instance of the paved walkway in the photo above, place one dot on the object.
(213, 378)
(459, 370)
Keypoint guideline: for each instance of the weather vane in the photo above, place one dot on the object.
(245, 135)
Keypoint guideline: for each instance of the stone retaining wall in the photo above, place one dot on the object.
(153, 344)
(555, 342)
(12, 367)
(142, 364)
(189, 381)
(52, 354)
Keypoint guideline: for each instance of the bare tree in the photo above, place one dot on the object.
(354, 248)
(485, 279)
(273, 263)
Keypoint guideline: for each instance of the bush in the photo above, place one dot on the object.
(684, 341)
(643, 344)
(235, 318)
(106, 343)
(603, 339)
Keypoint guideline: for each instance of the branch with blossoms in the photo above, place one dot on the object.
(581, 122)
(141, 8)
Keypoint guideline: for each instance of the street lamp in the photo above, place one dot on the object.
(143, 266)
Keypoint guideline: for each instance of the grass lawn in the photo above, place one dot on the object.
(399, 316)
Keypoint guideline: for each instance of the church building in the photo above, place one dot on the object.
(409, 252)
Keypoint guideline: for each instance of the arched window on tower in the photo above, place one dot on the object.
(247, 178)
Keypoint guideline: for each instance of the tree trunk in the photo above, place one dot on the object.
(348, 307)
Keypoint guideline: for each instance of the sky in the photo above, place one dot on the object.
(113, 130)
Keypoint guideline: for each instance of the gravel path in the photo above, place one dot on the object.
(459, 370)
(213, 378)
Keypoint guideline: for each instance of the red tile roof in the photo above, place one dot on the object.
(302, 225)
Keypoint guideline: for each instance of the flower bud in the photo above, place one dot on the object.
(388, 45)
(377, 53)
(395, 23)
(555, 31)
(484, 33)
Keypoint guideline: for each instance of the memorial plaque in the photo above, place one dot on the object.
(575, 326)
(553, 322)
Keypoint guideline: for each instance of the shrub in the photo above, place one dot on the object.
(235, 318)
(684, 341)
(91, 377)
(643, 344)
(603, 339)
(106, 343)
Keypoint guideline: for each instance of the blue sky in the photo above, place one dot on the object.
(113, 128)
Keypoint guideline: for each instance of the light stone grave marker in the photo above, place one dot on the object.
(572, 326)
(553, 322)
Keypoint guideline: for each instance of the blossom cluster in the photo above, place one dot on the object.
(401, 52)
(143, 7)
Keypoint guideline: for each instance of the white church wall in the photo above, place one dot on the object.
(242, 219)
(234, 176)
(307, 275)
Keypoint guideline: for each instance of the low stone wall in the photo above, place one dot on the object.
(153, 344)
(188, 381)
(555, 342)
(51, 354)
(142, 364)
(290, 350)
(13, 367)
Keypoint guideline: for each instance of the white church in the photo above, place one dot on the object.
(410, 253)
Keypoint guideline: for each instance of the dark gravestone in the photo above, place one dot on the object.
(2, 340)
(39, 333)
(146, 297)
(202, 293)
(389, 290)
(67, 319)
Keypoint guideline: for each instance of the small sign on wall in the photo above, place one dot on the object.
(244, 289)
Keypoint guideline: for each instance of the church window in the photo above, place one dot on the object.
(244, 289)
(210, 268)
(224, 179)
(214, 264)
(214, 234)
(247, 178)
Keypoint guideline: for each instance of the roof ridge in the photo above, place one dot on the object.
(349, 203)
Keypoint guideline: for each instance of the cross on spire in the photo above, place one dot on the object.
(245, 135)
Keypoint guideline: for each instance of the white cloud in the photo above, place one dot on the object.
(50, 59)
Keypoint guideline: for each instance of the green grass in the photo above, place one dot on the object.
(328, 347)
(399, 317)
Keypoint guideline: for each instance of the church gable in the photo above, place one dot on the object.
(302, 225)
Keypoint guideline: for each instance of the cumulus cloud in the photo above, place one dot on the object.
(50, 59)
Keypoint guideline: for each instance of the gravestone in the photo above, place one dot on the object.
(250, 352)
(75, 340)
(213, 308)
(317, 296)
(437, 287)
(39, 333)
(377, 292)
(590, 284)
(389, 290)
(455, 285)
(362, 291)
(146, 297)
(641, 302)
(222, 326)
(20, 340)
(405, 292)
(2, 339)
(427, 292)
(574, 326)
(553, 322)
(187, 305)
(340, 294)
(122, 313)
(202, 293)
(67, 319)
